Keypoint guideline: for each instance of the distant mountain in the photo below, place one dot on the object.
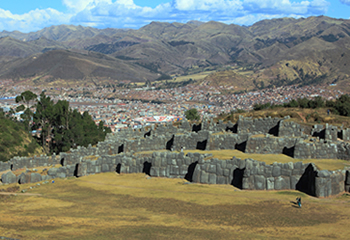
(60, 66)
(278, 51)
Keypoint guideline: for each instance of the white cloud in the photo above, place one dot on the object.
(347, 2)
(80, 5)
(125, 13)
(286, 7)
(33, 20)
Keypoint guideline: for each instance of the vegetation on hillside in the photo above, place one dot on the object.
(14, 140)
(341, 106)
(63, 128)
(58, 128)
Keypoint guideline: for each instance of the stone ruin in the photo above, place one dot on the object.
(263, 136)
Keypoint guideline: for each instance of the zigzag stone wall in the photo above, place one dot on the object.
(281, 136)
(246, 174)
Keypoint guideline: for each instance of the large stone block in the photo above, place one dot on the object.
(219, 170)
(8, 177)
(293, 181)
(157, 162)
(162, 172)
(282, 183)
(154, 172)
(212, 168)
(45, 177)
(248, 183)
(212, 178)
(105, 167)
(183, 170)
(23, 178)
(196, 174)
(259, 182)
(204, 177)
(52, 172)
(226, 173)
(35, 177)
(174, 170)
(323, 174)
(270, 183)
(276, 171)
(323, 187)
(286, 172)
(221, 180)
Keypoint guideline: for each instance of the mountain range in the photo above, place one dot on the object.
(276, 52)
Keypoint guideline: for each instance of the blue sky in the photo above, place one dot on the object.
(33, 15)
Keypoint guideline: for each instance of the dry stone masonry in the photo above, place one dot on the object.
(263, 136)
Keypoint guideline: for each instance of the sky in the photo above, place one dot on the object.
(33, 15)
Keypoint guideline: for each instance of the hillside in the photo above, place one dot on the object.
(274, 50)
(14, 141)
(64, 67)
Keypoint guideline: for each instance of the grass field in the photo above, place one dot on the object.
(134, 206)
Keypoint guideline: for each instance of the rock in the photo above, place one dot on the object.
(259, 182)
(270, 183)
(35, 177)
(276, 171)
(8, 177)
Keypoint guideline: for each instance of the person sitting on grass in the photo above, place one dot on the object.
(299, 201)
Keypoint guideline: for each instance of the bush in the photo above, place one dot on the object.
(192, 114)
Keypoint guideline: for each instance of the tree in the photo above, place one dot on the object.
(26, 97)
(192, 114)
(43, 118)
(63, 128)
(317, 102)
(303, 102)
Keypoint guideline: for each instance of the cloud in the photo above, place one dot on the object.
(347, 2)
(80, 5)
(125, 13)
(33, 20)
(286, 7)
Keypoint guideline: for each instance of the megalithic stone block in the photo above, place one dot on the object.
(8, 177)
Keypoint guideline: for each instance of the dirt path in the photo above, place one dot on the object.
(20, 194)
(302, 117)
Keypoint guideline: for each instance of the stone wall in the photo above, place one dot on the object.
(245, 174)
(116, 154)
(29, 162)
(290, 129)
(259, 125)
(343, 151)
(271, 145)
(345, 134)
(228, 141)
(316, 150)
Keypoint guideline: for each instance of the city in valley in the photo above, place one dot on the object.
(135, 107)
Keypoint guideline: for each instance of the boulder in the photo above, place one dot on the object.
(8, 177)
(35, 177)
(259, 182)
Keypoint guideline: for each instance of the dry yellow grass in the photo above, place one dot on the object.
(133, 206)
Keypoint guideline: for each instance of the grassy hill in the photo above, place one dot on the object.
(15, 141)
(63, 66)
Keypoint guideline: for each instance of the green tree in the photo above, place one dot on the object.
(192, 114)
(303, 102)
(27, 98)
(317, 102)
(43, 118)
